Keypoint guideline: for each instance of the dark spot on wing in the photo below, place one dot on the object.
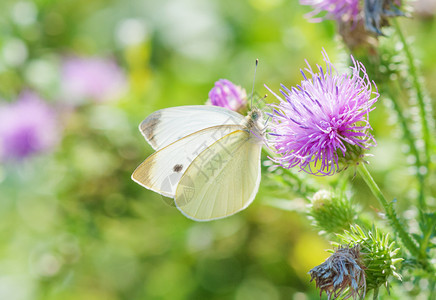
(148, 126)
(178, 168)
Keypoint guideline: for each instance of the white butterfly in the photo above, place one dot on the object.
(207, 158)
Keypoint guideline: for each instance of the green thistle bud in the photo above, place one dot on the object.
(353, 157)
(330, 212)
(379, 255)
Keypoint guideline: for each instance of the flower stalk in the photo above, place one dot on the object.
(408, 136)
(419, 94)
(424, 121)
(393, 219)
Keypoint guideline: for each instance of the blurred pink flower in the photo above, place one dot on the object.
(424, 8)
(228, 95)
(27, 126)
(339, 10)
(94, 78)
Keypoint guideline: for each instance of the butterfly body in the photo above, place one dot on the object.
(207, 158)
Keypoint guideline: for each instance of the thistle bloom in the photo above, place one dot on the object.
(345, 10)
(324, 121)
(98, 79)
(228, 95)
(27, 127)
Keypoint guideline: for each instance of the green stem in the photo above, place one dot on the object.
(375, 294)
(408, 136)
(419, 94)
(393, 219)
(426, 239)
(432, 294)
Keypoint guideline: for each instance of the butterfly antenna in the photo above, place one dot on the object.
(254, 79)
(265, 107)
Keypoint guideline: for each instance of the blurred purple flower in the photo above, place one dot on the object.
(97, 78)
(228, 95)
(27, 126)
(324, 121)
(350, 15)
(339, 10)
(424, 8)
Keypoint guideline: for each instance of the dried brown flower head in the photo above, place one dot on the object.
(378, 12)
(342, 274)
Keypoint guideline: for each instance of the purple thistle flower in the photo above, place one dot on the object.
(27, 126)
(96, 78)
(339, 10)
(324, 121)
(228, 95)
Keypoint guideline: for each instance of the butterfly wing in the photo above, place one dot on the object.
(222, 180)
(162, 170)
(168, 125)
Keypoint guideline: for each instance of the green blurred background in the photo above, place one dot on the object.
(73, 225)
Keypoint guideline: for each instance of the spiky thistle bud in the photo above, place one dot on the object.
(342, 274)
(379, 255)
(331, 212)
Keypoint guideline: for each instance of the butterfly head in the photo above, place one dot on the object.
(255, 123)
(255, 115)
